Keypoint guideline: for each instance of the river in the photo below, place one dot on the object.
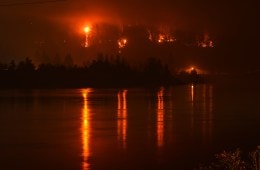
(95, 129)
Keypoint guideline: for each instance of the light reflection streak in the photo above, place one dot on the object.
(204, 111)
(207, 110)
(170, 117)
(210, 107)
(192, 105)
(85, 130)
(122, 118)
(160, 117)
(192, 93)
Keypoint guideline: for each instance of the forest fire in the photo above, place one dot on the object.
(206, 42)
(194, 70)
(87, 31)
(165, 38)
(99, 33)
(121, 44)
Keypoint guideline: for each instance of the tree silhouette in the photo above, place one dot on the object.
(68, 61)
(26, 66)
(101, 72)
(12, 66)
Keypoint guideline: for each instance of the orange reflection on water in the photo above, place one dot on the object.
(210, 117)
(202, 109)
(207, 108)
(85, 130)
(160, 117)
(192, 93)
(211, 101)
(204, 98)
(192, 105)
(122, 117)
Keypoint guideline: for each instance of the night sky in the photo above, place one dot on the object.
(234, 23)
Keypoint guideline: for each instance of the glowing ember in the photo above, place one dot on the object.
(165, 38)
(122, 43)
(161, 38)
(206, 42)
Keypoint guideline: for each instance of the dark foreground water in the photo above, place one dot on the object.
(96, 129)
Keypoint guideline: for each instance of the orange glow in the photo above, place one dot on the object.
(150, 36)
(85, 130)
(211, 44)
(122, 117)
(206, 42)
(192, 93)
(191, 68)
(87, 29)
(196, 68)
(161, 38)
(122, 43)
(165, 38)
(160, 118)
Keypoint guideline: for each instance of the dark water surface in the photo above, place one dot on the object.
(165, 128)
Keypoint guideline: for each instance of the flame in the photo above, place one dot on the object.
(206, 42)
(87, 29)
(165, 38)
(122, 42)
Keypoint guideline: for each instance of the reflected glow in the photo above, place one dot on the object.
(192, 93)
(207, 99)
(210, 108)
(85, 130)
(192, 105)
(160, 118)
(202, 109)
(122, 117)
(211, 101)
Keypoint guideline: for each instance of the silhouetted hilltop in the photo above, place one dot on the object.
(101, 72)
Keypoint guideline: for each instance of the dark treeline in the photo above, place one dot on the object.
(101, 72)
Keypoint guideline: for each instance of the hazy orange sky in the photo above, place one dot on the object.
(218, 15)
